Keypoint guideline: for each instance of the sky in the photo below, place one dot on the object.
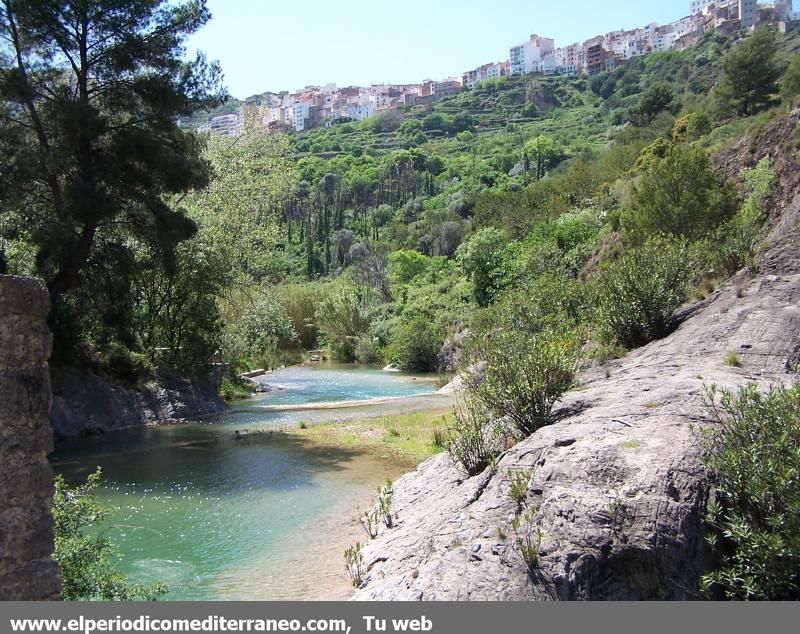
(285, 45)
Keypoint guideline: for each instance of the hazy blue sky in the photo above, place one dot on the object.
(267, 45)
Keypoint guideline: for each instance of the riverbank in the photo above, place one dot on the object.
(407, 438)
(392, 445)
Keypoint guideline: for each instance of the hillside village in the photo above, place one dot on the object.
(323, 106)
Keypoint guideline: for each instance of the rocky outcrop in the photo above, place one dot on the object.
(27, 571)
(617, 486)
(84, 403)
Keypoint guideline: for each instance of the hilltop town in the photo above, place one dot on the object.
(323, 106)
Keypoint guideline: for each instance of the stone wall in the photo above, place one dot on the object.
(26, 481)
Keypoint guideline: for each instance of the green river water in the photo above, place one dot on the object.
(263, 517)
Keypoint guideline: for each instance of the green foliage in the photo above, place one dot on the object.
(404, 266)
(639, 292)
(752, 450)
(750, 73)
(735, 242)
(415, 344)
(385, 497)
(525, 374)
(680, 196)
(262, 336)
(473, 437)
(790, 88)
(482, 258)
(87, 562)
(527, 539)
(99, 163)
(130, 367)
(176, 313)
(354, 564)
(658, 98)
(234, 389)
(343, 316)
(518, 486)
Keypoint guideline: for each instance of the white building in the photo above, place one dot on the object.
(225, 124)
(300, 112)
(528, 57)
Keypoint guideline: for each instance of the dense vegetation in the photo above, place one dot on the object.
(377, 240)
(85, 557)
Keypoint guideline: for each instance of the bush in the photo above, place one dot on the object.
(679, 196)
(87, 563)
(638, 293)
(473, 438)
(753, 454)
(234, 389)
(525, 374)
(483, 260)
(737, 240)
(131, 367)
(343, 316)
(416, 343)
(367, 350)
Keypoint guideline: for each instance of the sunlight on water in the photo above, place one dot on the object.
(262, 517)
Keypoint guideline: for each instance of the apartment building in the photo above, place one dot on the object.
(529, 56)
(447, 88)
(484, 72)
(224, 124)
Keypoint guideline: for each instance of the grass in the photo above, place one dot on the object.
(732, 359)
(409, 437)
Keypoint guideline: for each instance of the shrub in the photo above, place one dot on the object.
(385, 497)
(736, 241)
(732, 359)
(87, 562)
(527, 539)
(234, 389)
(518, 488)
(679, 196)
(367, 351)
(483, 260)
(525, 374)
(343, 315)
(472, 438)
(639, 292)
(752, 450)
(354, 564)
(131, 367)
(416, 343)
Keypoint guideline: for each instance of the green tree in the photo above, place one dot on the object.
(542, 154)
(86, 562)
(483, 260)
(750, 73)
(791, 80)
(91, 91)
(679, 195)
(656, 99)
(405, 265)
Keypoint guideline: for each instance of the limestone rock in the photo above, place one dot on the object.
(27, 571)
(85, 403)
(618, 489)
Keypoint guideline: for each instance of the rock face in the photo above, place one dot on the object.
(26, 481)
(617, 487)
(85, 403)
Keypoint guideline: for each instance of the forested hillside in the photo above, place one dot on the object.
(525, 201)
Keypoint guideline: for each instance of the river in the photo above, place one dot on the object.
(266, 516)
